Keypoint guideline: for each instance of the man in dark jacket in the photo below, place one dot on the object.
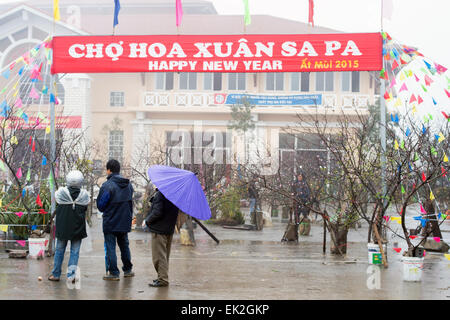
(161, 221)
(70, 215)
(115, 201)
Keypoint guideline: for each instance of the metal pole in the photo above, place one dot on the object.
(52, 157)
(383, 139)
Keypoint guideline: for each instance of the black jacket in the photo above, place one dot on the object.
(71, 223)
(115, 201)
(162, 216)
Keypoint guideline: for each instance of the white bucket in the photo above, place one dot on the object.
(36, 247)
(412, 268)
(374, 253)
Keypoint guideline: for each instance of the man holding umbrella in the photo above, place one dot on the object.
(177, 190)
(161, 221)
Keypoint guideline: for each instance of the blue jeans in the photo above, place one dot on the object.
(59, 257)
(111, 258)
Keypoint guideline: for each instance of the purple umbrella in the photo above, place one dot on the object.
(182, 188)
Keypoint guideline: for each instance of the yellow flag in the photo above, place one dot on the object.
(445, 158)
(395, 145)
(4, 227)
(414, 110)
(15, 86)
(402, 76)
(15, 93)
(1, 203)
(397, 219)
(14, 140)
(56, 14)
(441, 137)
(447, 256)
(432, 195)
(398, 102)
(47, 130)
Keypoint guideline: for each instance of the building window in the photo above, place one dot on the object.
(236, 81)
(116, 145)
(350, 80)
(275, 81)
(324, 81)
(188, 81)
(300, 81)
(212, 81)
(164, 81)
(302, 152)
(117, 99)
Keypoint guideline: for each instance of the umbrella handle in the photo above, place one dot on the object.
(206, 230)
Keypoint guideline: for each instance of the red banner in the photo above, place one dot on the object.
(218, 53)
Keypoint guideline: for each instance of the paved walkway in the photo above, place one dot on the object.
(245, 265)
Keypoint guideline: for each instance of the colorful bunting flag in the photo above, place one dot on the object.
(413, 98)
(431, 195)
(116, 13)
(21, 242)
(38, 201)
(419, 100)
(403, 87)
(19, 214)
(44, 160)
(428, 80)
(56, 13)
(4, 227)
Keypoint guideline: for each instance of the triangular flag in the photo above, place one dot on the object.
(440, 69)
(44, 90)
(433, 151)
(19, 173)
(56, 14)
(402, 76)
(47, 130)
(395, 145)
(403, 190)
(393, 83)
(416, 157)
(428, 80)
(28, 175)
(394, 64)
(398, 102)
(419, 99)
(386, 95)
(424, 89)
(414, 109)
(431, 196)
(412, 237)
(448, 93)
(445, 115)
(447, 255)
(417, 79)
(14, 140)
(413, 98)
(402, 145)
(19, 214)
(422, 210)
(444, 173)
(4, 227)
(445, 158)
(441, 137)
(403, 87)
(21, 242)
(33, 93)
(6, 73)
(408, 132)
(424, 177)
(38, 201)
(44, 160)
(33, 147)
(437, 239)
(398, 250)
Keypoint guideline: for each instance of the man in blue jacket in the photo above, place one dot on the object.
(115, 201)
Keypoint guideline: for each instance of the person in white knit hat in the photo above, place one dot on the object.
(71, 206)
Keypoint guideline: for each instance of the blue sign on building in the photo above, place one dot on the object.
(274, 100)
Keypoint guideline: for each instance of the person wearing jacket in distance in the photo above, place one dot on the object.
(161, 221)
(115, 201)
(71, 206)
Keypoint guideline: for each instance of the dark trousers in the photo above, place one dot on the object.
(111, 258)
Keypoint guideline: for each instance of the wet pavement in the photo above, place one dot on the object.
(245, 265)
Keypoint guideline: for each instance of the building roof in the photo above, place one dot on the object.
(147, 17)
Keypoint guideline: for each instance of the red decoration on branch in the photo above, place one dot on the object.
(38, 201)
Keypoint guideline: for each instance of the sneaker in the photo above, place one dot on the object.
(157, 283)
(111, 277)
(128, 274)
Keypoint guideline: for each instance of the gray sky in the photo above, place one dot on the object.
(421, 23)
